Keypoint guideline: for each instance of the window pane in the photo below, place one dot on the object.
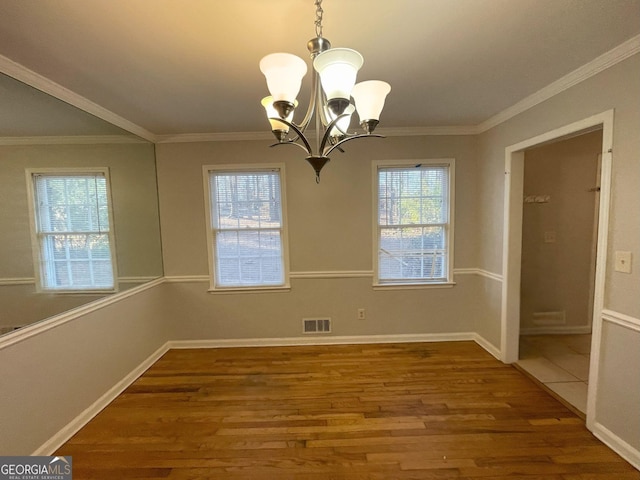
(227, 244)
(60, 275)
(433, 210)
(412, 219)
(247, 226)
(246, 200)
(228, 271)
(249, 258)
(73, 224)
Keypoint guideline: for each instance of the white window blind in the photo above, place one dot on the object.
(247, 228)
(413, 224)
(73, 231)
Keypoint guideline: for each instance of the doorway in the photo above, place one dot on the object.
(559, 244)
(512, 241)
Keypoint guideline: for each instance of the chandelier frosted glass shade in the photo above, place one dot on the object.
(369, 98)
(284, 73)
(338, 68)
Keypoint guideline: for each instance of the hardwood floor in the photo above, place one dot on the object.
(391, 411)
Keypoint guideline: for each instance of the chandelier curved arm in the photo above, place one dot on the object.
(361, 135)
(301, 136)
(289, 142)
(329, 127)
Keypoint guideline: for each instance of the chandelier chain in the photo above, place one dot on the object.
(318, 21)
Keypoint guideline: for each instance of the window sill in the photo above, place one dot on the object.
(237, 290)
(412, 286)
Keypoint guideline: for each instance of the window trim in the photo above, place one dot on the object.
(30, 174)
(211, 254)
(413, 283)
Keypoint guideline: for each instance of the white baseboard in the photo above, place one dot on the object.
(488, 346)
(556, 330)
(323, 340)
(94, 409)
(622, 448)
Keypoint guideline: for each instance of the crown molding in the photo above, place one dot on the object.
(71, 140)
(588, 70)
(426, 131)
(35, 80)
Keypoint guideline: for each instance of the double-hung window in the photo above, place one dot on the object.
(246, 227)
(414, 222)
(71, 230)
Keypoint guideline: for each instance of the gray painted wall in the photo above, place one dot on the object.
(615, 88)
(330, 230)
(51, 378)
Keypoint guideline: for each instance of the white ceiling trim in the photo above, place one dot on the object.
(604, 61)
(35, 80)
(425, 131)
(70, 140)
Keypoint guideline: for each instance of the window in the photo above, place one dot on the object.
(247, 240)
(71, 230)
(414, 222)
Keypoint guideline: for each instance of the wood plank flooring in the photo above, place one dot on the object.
(391, 411)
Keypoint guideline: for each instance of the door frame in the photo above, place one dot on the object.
(512, 240)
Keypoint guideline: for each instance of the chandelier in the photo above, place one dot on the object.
(330, 107)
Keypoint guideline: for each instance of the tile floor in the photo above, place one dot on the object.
(560, 362)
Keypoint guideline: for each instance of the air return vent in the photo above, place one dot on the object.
(316, 325)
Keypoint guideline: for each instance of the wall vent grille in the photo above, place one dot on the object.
(316, 325)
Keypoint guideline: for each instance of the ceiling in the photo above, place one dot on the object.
(191, 66)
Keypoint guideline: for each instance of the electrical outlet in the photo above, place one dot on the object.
(361, 314)
(623, 262)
